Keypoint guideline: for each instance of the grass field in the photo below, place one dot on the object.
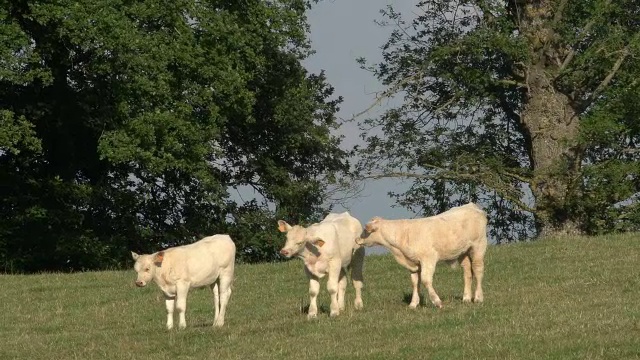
(574, 298)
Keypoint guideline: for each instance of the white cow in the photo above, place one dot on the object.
(209, 261)
(328, 248)
(459, 234)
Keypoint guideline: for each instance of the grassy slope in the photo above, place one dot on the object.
(564, 299)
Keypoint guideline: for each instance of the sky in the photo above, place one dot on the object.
(341, 32)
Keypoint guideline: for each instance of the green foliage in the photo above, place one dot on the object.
(129, 125)
(465, 131)
(568, 298)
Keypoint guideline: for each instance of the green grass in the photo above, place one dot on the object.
(575, 298)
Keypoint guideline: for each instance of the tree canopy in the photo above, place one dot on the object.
(140, 125)
(528, 107)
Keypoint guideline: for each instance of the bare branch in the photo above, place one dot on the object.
(388, 93)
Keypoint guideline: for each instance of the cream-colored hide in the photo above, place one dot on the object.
(328, 248)
(209, 261)
(459, 234)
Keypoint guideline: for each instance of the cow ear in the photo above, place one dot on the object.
(134, 256)
(157, 260)
(372, 225)
(283, 226)
(319, 243)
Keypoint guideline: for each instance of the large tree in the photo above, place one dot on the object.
(144, 124)
(530, 107)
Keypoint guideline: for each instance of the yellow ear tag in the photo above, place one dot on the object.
(319, 243)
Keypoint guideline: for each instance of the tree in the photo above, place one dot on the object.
(135, 125)
(530, 107)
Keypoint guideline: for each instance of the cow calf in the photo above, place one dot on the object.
(459, 234)
(209, 261)
(328, 248)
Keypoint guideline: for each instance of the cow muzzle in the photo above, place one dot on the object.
(140, 283)
(285, 252)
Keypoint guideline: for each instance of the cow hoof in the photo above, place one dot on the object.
(438, 304)
(413, 306)
(334, 314)
(466, 300)
(477, 300)
(218, 324)
(312, 316)
(358, 305)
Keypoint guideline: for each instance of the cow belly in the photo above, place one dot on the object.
(204, 281)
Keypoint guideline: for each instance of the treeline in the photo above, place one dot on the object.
(134, 125)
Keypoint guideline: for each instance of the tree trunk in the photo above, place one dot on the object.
(553, 128)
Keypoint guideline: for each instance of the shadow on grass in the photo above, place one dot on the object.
(453, 298)
(322, 309)
(206, 324)
(406, 298)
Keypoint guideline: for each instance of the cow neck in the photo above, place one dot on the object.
(159, 274)
(390, 236)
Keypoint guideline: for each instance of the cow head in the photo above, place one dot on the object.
(145, 266)
(371, 233)
(297, 238)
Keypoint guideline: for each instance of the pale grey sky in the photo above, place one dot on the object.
(341, 32)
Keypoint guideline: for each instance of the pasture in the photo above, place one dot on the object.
(570, 298)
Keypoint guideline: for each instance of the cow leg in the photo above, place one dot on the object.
(215, 289)
(332, 288)
(466, 269)
(428, 267)
(169, 302)
(181, 303)
(342, 287)
(224, 286)
(415, 287)
(477, 264)
(314, 289)
(357, 261)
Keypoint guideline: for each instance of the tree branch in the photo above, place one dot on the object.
(388, 93)
(605, 82)
(558, 14)
(572, 52)
(512, 82)
(449, 175)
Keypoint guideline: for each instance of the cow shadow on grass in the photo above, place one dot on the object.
(406, 298)
(322, 309)
(204, 324)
